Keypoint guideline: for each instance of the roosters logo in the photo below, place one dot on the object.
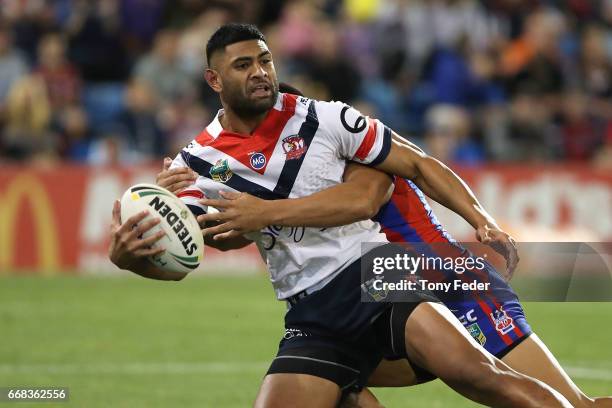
(294, 147)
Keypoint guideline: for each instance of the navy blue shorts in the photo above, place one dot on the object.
(332, 334)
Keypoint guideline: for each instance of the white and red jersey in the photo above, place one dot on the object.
(300, 148)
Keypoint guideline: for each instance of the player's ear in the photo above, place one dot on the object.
(213, 80)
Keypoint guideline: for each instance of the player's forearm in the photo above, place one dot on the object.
(342, 204)
(436, 180)
(447, 188)
(359, 197)
(146, 269)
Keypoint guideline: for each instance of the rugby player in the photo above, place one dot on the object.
(405, 216)
(275, 146)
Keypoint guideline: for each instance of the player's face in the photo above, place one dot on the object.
(247, 77)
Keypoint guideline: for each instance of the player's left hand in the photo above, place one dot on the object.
(502, 243)
(177, 179)
(239, 213)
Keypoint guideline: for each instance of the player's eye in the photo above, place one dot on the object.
(242, 65)
(266, 61)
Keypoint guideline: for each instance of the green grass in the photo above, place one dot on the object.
(204, 342)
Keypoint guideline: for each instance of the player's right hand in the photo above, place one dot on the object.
(502, 243)
(239, 213)
(177, 179)
(126, 248)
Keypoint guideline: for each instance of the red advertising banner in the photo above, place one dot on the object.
(540, 202)
(57, 220)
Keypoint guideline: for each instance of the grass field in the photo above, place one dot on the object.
(206, 341)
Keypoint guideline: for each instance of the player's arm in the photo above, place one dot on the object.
(178, 179)
(130, 252)
(365, 140)
(359, 197)
(368, 141)
(436, 180)
(447, 188)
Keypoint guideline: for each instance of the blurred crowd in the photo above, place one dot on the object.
(121, 81)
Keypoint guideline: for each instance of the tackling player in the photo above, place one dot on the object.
(405, 216)
(277, 146)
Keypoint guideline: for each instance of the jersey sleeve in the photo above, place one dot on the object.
(192, 194)
(357, 137)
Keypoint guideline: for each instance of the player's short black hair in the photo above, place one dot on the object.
(290, 89)
(229, 34)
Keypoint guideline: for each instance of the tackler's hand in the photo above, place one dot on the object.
(175, 180)
(239, 213)
(502, 243)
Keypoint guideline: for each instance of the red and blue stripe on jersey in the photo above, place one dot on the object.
(407, 217)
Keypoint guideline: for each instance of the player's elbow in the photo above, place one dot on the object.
(371, 200)
(429, 165)
(366, 208)
(372, 209)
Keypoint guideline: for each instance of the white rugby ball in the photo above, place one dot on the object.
(183, 241)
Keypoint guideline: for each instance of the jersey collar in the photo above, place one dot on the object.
(214, 129)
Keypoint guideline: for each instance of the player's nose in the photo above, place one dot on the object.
(260, 71)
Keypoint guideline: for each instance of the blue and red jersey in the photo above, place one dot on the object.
(496, 320)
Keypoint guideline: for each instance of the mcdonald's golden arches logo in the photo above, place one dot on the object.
(27, 188)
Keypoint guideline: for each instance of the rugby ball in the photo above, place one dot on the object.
(183, 241)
